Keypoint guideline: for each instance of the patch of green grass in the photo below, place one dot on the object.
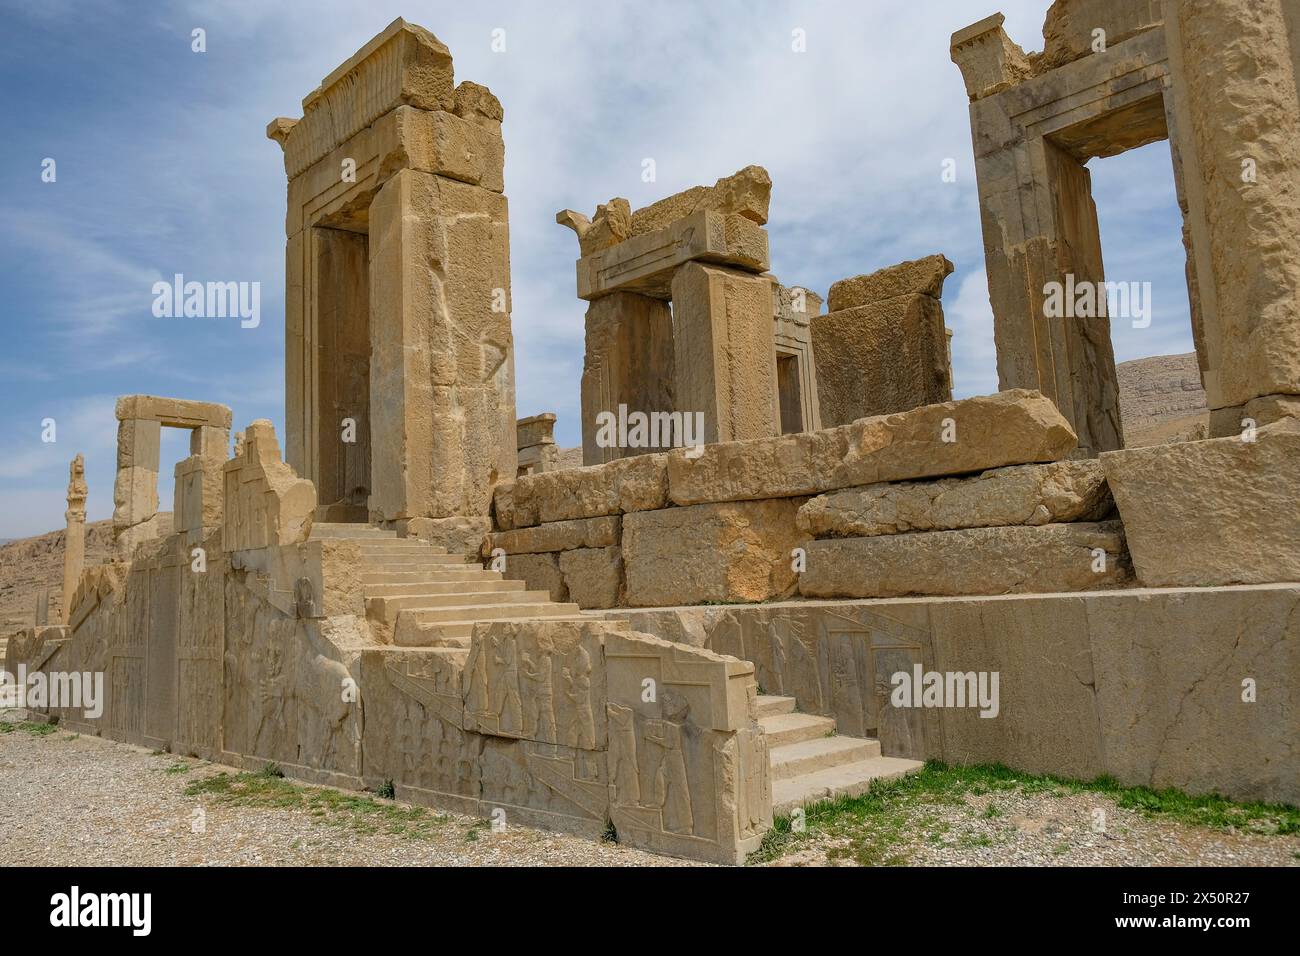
(387, 790)
(877, 827)
(471, 835)
(272, 769)
(34, 727)
(178, 768)
(356, 812)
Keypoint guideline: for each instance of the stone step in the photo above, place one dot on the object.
(440, 585)
(325, 529)
(810, 756)
(782, 729)
(442, 573)
(769, 705)
(387, 608)
(848, 780)
(411, 632)
(417, 560)
(477, 612)
(400, 546)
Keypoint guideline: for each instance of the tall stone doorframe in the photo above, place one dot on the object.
(684, 319)
(1116, 75)
(399, 385)
(140, 420)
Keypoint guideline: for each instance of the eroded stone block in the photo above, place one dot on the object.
(639, 483)
(1008, 428)
(1062, 491)
(730, 552)
(1222, 511)
(1009, 560)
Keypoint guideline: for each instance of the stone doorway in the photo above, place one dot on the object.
(341, 373)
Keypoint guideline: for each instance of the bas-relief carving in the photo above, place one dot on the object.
(687, 760)
(836, 664)
(537, 684)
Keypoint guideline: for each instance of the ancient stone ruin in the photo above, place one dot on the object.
(699, 630)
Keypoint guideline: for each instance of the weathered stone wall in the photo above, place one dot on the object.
(1146, 686)
(938, 500)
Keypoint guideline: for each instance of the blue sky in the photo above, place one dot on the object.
(163, 167)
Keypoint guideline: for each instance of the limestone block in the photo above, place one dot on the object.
(745, 193)
(442, 360)
(725, 353)
(210, 442)
(918, 277)
(266, 503)
(135, 496)
(442, 143)
(1226, 422)
(688, 765)
(877, 359)
(1068, 30)
(989, 60)
(199, 494)
(535, 430)
(475, 101)
(541, 572)
(557, 536)
(593, 576)
(628, 360)
(639, 483)
(1008, 428)
(715, 552)
(542, 681)
(1008, 560)
(1169, 671)
(457, 535)
(138, 444)
(173, 412)
(1062, 491)
(405, 64)
(646, 263)
(1221, 511)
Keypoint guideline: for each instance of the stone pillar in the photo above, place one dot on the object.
(725, 351)
(628, 361)
(74, 539)
(1235, 72)
(442, 356)
(882, 348)
(135, 490)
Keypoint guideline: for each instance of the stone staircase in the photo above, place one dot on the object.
(421, 596)
(810, 763)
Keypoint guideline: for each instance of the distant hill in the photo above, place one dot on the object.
(29, 564)
(1161, 400)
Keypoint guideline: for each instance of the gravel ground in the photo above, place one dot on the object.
(83, 801)
(1010, 828)
(70, 800)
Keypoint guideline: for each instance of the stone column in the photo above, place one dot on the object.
(628, 361)
(1235, 67)
(135, 490)
(74, 539)
(442, 355)
(725, 351)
